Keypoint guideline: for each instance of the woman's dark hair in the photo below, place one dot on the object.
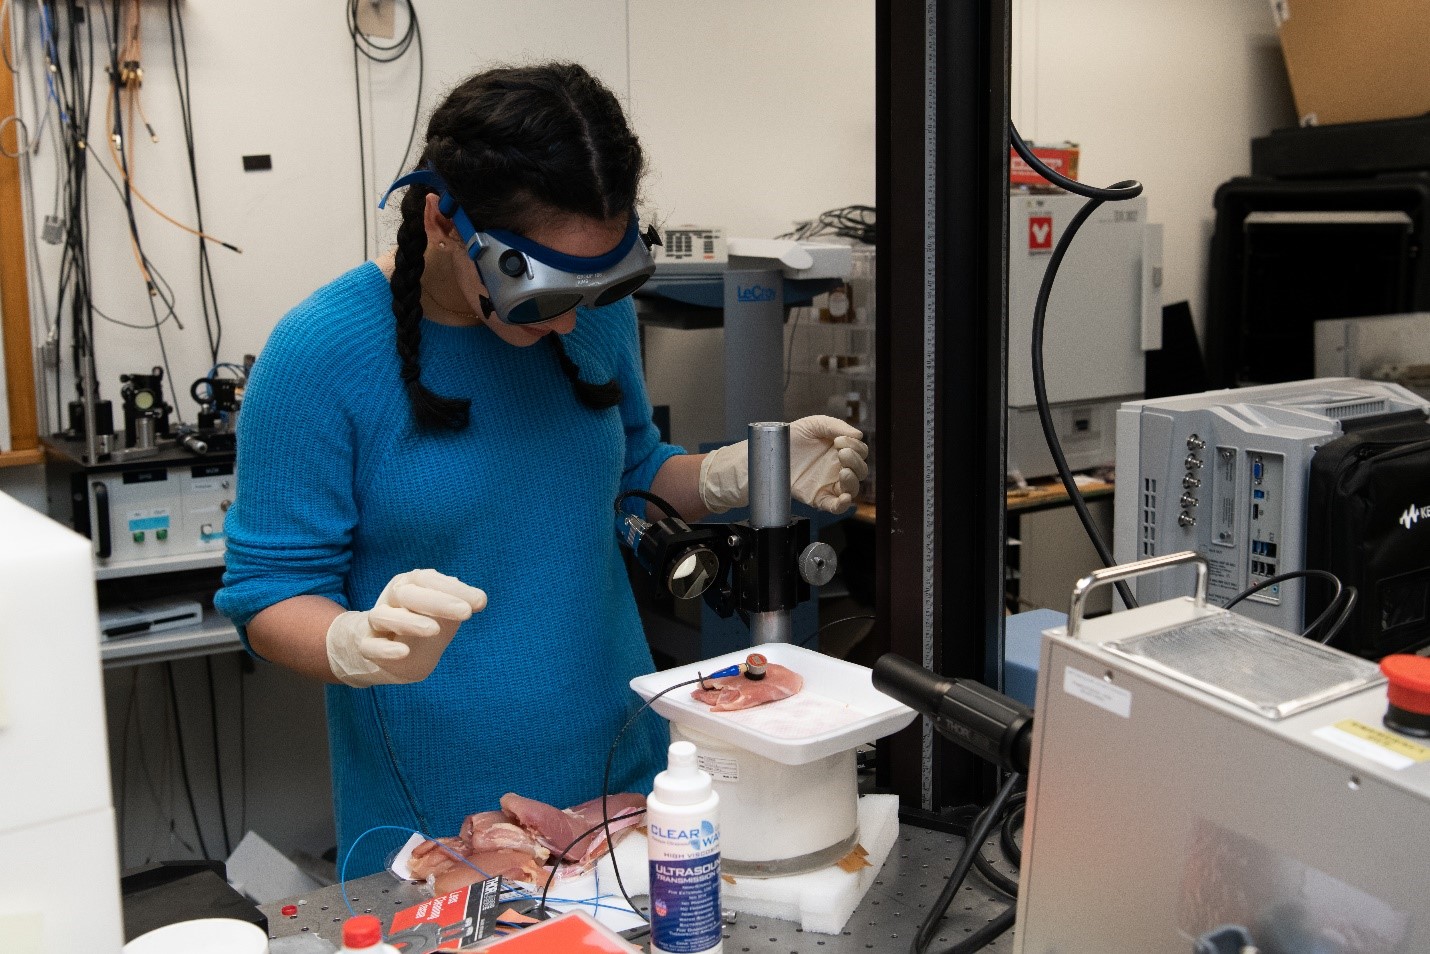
(514, 144)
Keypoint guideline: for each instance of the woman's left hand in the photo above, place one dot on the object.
(827, 459)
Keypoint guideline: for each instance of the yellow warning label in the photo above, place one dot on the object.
(1386, 740)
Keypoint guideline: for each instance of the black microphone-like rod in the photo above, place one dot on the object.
(985, 722)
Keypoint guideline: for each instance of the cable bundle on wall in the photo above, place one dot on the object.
(365, 47)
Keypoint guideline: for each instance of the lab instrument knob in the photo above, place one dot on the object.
(1408, 692)
(818, 563)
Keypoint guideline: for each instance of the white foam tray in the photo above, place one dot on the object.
(837, 709)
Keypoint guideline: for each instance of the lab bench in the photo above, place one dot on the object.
(885, 920)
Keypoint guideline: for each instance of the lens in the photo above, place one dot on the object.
(556, 303)
(620, 290)
(512, 263)
(692, 572)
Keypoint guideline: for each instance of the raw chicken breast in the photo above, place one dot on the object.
(739, 692)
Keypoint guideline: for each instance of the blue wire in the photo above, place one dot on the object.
(343, 871)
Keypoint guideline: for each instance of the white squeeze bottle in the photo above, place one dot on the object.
(683, 825)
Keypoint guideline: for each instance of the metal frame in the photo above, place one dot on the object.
(941, 342)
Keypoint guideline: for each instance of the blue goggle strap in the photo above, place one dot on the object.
(449, 207)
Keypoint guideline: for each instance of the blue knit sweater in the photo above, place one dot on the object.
(338, 492)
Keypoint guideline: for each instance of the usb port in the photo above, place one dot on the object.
(1256, 511)
(1269, 549)
(1258, 495)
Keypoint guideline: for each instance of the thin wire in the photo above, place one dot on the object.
(606, 780)
(610, 848)
(836, 622)
(184, 759)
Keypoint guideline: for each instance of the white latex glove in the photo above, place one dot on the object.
(401, 638)
(827, 460)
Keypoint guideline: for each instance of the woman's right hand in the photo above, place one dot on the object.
(403, 636)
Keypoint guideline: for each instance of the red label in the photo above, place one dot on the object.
(1040, 233)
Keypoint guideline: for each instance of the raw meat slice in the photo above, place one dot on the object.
(730, 693)
(558, 829)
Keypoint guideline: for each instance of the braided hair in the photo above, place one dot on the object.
(513, 145)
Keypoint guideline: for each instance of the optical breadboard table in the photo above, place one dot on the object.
(885, 920)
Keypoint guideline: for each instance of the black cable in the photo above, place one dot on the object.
(1008, 840)
(985, 867)
(1040, 393)
(1119, 191)
(606, 779)
(576, 841)
(926, 930)
(836, 622)
(208, 294)
(242, 747)
(1260, 585)
(218, 757)
(1332, 607)
(184, 760)
(375, 52)
(1335, 628)
(648, 497)
(362, 156)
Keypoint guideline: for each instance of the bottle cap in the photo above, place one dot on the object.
(683, 783)
(365, 930)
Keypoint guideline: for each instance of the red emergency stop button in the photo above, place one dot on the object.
(1409, 694)
(290, 910)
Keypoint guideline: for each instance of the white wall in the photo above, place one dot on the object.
(1169, 92)
(752, 114)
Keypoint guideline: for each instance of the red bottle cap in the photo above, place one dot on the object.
(365, 930)
(1409, 678)
(290, 910)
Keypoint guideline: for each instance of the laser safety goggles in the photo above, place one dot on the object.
(528, 282)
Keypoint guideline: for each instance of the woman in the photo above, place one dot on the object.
(388, 465)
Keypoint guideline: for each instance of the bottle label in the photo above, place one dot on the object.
(685, 904)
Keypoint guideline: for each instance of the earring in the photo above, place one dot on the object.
(441, 244)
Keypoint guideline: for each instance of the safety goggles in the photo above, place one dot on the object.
(528, 282)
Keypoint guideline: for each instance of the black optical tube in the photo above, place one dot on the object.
(985, 722)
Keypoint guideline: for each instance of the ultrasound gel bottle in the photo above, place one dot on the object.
(683, 825)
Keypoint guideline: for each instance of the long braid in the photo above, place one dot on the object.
(431, 410)
(597, 397)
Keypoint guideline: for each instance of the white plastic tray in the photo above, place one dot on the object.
(837, 709)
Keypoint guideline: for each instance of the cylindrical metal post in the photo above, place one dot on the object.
(770, 507)
(769, 475)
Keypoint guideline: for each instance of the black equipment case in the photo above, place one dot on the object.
(1368, 522)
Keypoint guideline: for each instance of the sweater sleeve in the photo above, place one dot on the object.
(290, 535)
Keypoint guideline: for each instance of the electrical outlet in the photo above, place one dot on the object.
(377, 18)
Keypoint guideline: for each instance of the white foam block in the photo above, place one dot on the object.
(822, 901)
